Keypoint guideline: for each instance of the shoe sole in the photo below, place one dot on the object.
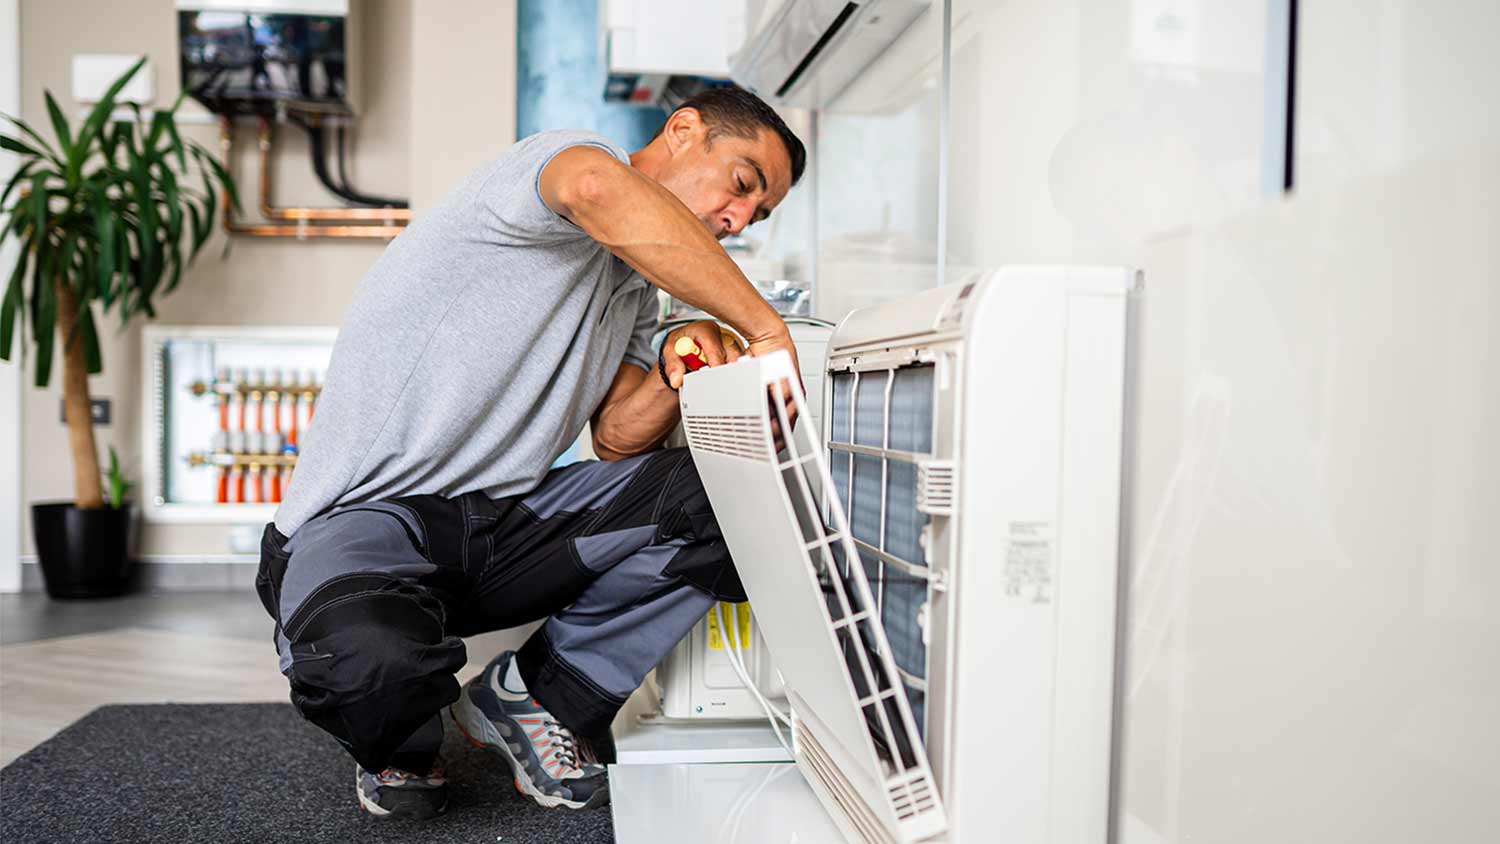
(379, 811)
(481, 731)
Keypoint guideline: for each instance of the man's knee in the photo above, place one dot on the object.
(687, 515)
(363, 642)
(371, 666)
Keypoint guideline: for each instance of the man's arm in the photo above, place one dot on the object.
(639, 410)
(648, 228)
(636, 415)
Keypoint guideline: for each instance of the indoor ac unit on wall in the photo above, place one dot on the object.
(948, 645)
(806, 52)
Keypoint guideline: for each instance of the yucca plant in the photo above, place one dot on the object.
(109, 216)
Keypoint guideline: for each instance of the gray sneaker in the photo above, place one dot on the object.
(397, 793)
(549, 763)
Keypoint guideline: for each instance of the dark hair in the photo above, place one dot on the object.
(731, 110)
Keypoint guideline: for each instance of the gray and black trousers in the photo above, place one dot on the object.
(371, 599)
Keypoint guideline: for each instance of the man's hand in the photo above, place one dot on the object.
(719, 347)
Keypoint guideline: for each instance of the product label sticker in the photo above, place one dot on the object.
(1028, 563)
(741, 615)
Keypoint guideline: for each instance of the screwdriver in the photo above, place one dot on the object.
(690, 352)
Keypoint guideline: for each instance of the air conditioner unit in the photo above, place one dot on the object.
(948, 645)
(805, 52)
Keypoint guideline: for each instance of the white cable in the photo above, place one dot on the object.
(744, 672)
(773, 715)
(733, 650)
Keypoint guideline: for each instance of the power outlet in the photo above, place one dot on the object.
(98, 408)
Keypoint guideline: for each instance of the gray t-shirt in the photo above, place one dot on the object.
(475, 349)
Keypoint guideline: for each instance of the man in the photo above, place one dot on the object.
(422, 509)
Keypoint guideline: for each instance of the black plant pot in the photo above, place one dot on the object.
(83, 553)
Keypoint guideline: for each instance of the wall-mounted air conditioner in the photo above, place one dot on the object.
(948, 645)
(805, 52)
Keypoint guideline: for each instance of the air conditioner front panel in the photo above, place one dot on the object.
(820, 617)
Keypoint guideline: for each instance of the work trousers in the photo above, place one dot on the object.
(371, 599)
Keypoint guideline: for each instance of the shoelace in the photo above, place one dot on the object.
(561, 747)
(396, 776)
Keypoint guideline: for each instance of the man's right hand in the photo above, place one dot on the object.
(776, 341)
(765, 346)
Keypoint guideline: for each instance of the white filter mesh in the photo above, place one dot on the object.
(881, 421)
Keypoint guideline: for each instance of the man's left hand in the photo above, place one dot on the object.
(719, 347)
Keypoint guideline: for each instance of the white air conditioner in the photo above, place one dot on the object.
(805, 52)
(948, 647)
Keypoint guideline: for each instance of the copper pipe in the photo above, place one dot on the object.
(390, 216)
(300, 230)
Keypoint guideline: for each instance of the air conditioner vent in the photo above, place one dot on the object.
(856, 812)
(937, 486)
(736, 436)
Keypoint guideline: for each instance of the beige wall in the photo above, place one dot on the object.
(437, 98)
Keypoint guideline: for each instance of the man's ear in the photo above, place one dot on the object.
(684, 130)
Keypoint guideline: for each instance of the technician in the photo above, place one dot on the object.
(422, 508)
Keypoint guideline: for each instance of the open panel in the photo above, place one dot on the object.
(857, 740)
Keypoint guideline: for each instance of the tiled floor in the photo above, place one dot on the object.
(61, 659)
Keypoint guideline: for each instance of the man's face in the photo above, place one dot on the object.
(728, 182)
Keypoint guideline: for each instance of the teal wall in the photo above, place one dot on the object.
(560, 76)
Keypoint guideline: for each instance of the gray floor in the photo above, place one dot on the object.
(30, 616)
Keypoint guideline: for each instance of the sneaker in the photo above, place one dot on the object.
(550, 765)
(397, 793)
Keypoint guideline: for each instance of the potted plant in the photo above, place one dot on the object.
(108, 216)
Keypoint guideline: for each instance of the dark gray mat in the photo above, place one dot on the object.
(248, 772)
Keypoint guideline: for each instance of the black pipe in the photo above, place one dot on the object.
(339, 139)
(320, 168)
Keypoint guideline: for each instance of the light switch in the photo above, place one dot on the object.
(94, 73)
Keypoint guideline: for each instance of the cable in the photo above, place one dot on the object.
(773, 714)
(320, 168)
(744, 673)
(343, 177)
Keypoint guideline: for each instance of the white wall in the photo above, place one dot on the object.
(877, 177)
(1311, 636)
(10, 373)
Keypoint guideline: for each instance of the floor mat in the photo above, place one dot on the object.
(248, 772)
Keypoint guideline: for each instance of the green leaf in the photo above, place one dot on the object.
(41, 142)
(15, 180)
(222, 175)
(94, 124)
(173, 202)
(13, 145)
(44, 322)
(83, 332)
(38, 209)
(60, 126)
(66, 254)
(118, 486)
(10, 306)
(123, 261)
(104, 233)
(195, 222)
(177, 147)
